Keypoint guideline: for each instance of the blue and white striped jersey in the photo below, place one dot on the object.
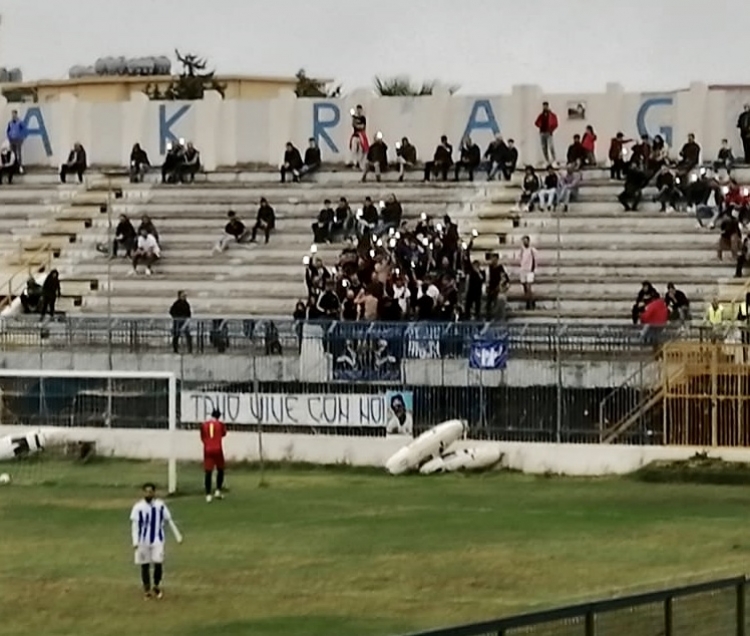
(148, 522)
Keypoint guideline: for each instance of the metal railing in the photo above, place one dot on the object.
(12, 286)
(705, 609)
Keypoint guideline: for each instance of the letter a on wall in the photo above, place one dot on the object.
(165, 125)
(487, 121)
(39, 129)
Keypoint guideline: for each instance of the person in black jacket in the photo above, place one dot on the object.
(50, 293)
(181, 312)
(376, 159)
(234, 231)
(668, 193)
(191, 164)
(577, 153)
(743, 123)
(76, 163)
(635, 180)
(323, 227)
(266, 220)
(312, 160)
(406, 156)
(292, 163)
(139, 164)
(690, 155)
(8, 162)
(469, 160)
(125, 237)
(441, 162)
(475, 279)
(678, 304)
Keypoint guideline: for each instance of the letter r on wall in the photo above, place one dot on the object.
(321, 126)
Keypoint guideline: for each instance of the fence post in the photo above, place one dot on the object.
(668, 629)
(741, 590)
(590, 624)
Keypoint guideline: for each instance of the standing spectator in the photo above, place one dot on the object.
(376, 159)
(498, 283)
(8, 162)
(76, 163)
(266, 220)
(16, 133)
(329, 304)
(731, 236)
(181, 313)
(725, 158)
(312, 160)
(589, 145)
(125, 237)
(617, 154)
(475, 280)
(547, 124)
(358, 142)
(441, 162)
(527, 260)
(743, 123)
(641, 153)
(548, 193)
(469, 159)
(406, 156)
(658, 154)
(147, 251)
(576, 153)
(234, 231)
(292, 163)
(139, 163)
(50, 293)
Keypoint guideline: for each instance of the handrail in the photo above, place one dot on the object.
(25, 269)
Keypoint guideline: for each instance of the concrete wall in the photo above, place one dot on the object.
(565, 459)
(240, 131)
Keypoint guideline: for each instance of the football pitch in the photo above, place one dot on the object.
(338, 553)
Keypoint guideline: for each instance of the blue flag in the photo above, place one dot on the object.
(489, 354)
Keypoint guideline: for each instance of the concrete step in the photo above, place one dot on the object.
(624, 240)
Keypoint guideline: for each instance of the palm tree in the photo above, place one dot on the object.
(401, 86)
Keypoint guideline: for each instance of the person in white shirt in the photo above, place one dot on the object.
(527, 261)
(400, 421)
(147, 528)
(147, 251)
(401, 295)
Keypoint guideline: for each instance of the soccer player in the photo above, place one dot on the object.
(213, 432)
(147, 518)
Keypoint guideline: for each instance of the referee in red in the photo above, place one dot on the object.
(213, 432)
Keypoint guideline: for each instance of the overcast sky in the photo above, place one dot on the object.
(486, 46)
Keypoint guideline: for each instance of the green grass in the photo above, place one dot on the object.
(336, 553)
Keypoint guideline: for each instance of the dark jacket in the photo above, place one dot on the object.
(471, 155)
(378, 153)
(312, 157)
(77, 157)
(293, 159)
(408, 153)
(235, 228)
(576, 153)
(267, 215)
(180, 309)
(51, 287)
(443, 155)
(126, 230)
(139, 157)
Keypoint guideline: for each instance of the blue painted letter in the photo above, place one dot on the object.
(165, 125)
(664, 131)
(320, 125)
(39, 130)
(488, 122)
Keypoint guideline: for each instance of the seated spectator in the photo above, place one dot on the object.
(139, 164)
(690, 155)
(191, 164)
(125, 237)
(50, 293)
(148, 225)
(406, 156)
(698, 189)
(265, 220)
(567, 190)
(323, 227)
(368, 217)
(8, 162)
(390, 215)
(668, 195)
(511, 160)
(576, 153)
(737, 200)
(292, 163)
(171, 168)
(441, 162)
(147, 252)
(234, 232)
(376, 159)
(343, 222)
(76, 163)
(469, 159)
(617, 154)
(731, 236)
(548, 193)
(589, 145)
(635, 180)
(646, 294)
(743, 258)
(31, 296)
(312, 160)
(530, 190)
(725, 158)
(714, 318)
(658, 156)
(677, 303)
(494, 156)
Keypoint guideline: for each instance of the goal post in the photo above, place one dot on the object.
(45, 414)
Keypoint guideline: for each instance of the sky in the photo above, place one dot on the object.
(485, 46)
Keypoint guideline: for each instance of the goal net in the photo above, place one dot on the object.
(59, 426)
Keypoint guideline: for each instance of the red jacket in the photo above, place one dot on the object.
(736, 198)
(212, 435)
(655, 313)
(589, 141)
(551, 121)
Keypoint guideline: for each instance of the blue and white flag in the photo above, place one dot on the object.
(489, 354)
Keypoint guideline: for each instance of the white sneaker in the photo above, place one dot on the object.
(20, 170)
(132, 272)
(148, 271)
(209, 498)
(670, 209)
(219, 495)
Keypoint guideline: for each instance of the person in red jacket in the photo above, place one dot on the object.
(653, 319)
(617, 155)
(589, 145)
(213, 432)
(547, 123)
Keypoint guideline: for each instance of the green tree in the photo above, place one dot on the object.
(310, 87)
(402, 86)
(191, 84)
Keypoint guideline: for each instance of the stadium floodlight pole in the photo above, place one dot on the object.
(558, 328)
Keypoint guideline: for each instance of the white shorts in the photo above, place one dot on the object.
(146, 554)
(527, 278)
